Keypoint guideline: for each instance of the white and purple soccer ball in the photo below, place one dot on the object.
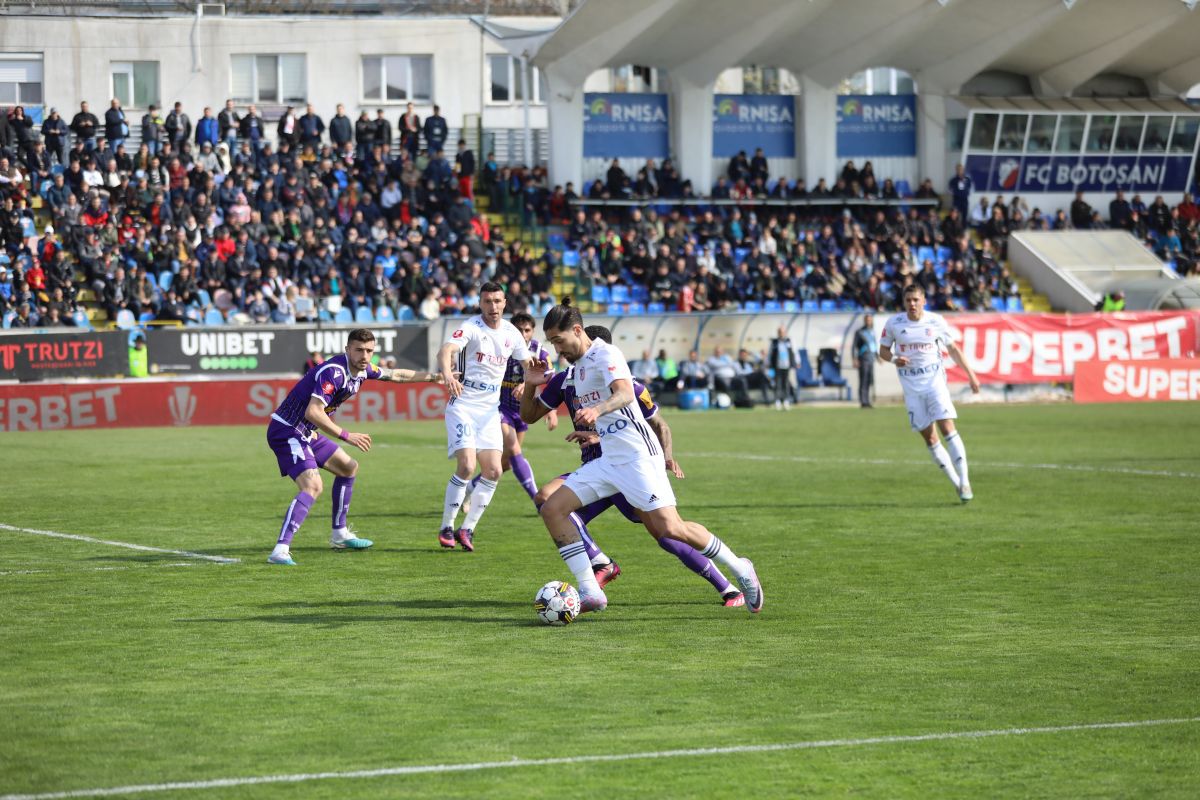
(557, 603)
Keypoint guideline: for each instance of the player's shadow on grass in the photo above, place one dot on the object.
(449, 603)
(847, 506)
(340, 620)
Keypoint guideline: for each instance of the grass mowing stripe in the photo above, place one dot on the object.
(127, 545)
(593, 759)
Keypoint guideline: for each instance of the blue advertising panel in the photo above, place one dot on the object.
(621, 125)
(748, 121)
(1068, 173)
(876, 125)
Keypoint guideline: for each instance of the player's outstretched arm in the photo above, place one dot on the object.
(409, 376)
(663, 431)
(445, 360)
(315, 413)
(961, 360)
(532, 409)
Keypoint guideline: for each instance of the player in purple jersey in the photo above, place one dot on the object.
(295, 436)
(559, 390)
(511, 424)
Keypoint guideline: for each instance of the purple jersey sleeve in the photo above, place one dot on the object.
(327, 383)
(645, 402)
(552, 392)
(373, 372)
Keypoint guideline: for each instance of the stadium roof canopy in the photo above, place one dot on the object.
(390, 8)
(1059, 45)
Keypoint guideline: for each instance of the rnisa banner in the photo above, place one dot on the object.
(1031, 174)
(876, 125)
(619, 125)
(749, 121)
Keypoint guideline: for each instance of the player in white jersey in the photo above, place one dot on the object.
(482, 346)
(631, 463)
(913, 341)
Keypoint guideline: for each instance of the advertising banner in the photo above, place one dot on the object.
(1103, 173)
(1046, 348)
(618, 125)
(876, 125)
(747, 121)
(157, 403)
(275, 350)
(51, 355)
(1142, 381)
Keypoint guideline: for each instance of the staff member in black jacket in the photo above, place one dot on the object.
(782, 358)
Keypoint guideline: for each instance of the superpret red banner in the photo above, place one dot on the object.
(151, 403)
(1137, 381)
(1045, 348)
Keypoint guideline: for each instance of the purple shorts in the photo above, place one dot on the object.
(593, 510)
(513, 419)
(296, 454)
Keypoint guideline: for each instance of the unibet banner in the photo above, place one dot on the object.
(748, 121)
(876, 125)
(620, 125)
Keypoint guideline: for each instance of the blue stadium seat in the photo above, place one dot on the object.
(791, 306)
(656, 308)
(809, 306)
(343, 316)
(125, 319)
(849, 305)
(830, 374)
(804, 371)
(1014, 304)
(9, 316)
(587, 188)
(739, 254)
(615, 309)
(213, 317)
(943, 254)
(772, 306)
(925, 253)
(363, 314)
(903, 188)
(829, 305)
(80, 320)
(556, 242)
(752, 305)
(635, 308)
(570, 258)
(324, 315)
(998, 304)
(145, 316)
(384, 314)
(620, 293)
(405, 314)
(600, 293)
(164, 279)
(204, 297)
(640, 293)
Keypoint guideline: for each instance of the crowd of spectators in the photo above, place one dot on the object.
(213, 216)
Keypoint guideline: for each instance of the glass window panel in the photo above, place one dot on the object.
(770, 80)
(8, 92)
(1070, 133)
(498, 66)
(1158, 130)
(422, 77)
(751, 80)
(983, 132)
(905, 84)
(122, 83)
(145, 84)
(881, 80)
(518, 81)
(1101, 128)
(395, 73)
(30, 94)
(539, 83)
(294, 78)
(266, 78)
(242, 78)
(372, 67)
(1041, 133)
(956, 129)
(621, 78)
(1183, 139)
(1012, 133)
(1129, 133)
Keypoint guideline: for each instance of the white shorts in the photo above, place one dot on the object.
(643, 482)
(927, 407)
(472, 428)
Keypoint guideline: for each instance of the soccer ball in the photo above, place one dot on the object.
(557, 603)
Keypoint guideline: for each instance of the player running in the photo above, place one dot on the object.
(483, 345)
(631, 463)
(918, 337)
(511, 424)
(295, 436)
(560, 390)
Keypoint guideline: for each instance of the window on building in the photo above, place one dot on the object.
(983, 132)
(135, 83)
(393, 79)
(634, 78)
(269, 78)
(507, 81)
(1158, 130)
(1100, 133)
(763, 80)
(1183, 138)
(21, 80)
(1012, 133)
(1070, 133)
(1129, 134)
(879, 80)
(1041, 133)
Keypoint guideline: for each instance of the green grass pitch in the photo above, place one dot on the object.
(1067, 593)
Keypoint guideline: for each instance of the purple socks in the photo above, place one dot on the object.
(343, 490)
(294, 518)
(524, 474)
(696, 562)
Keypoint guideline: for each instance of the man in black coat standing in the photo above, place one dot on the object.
(866, 352)
(781, 357)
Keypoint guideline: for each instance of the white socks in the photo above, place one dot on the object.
(456, 490)
(576, 557)
(480, 497)
(720, 553)
(942, 459)
(958, 455)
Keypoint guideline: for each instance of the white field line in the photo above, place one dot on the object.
(100, 569)
(126, 545)
(891, 462)
(516, 763)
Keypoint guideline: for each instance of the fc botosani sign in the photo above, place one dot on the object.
(1031, 174)
(274, 350)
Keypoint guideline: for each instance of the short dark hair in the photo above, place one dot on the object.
(360, 335)
(913, 288)
(598, 332)
(490, 286)
(562, 316)
(522, 318)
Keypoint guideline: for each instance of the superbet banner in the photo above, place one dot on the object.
(153, 403)
(1045, 348)
(1137, 381)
